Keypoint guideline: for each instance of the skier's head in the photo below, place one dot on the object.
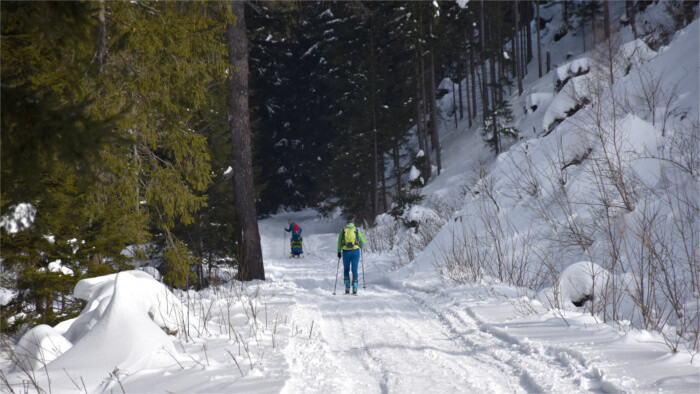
(290, 221)
(351, 218)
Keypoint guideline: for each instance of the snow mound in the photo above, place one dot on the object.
(422, 214)
(124, 325)
(570, 70)
(581, 281)
(570, 99)
(6, 295)
(640, 149)
(538, 100)
(636, 52)
(39, 346)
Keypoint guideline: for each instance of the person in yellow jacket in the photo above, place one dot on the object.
(350, 241)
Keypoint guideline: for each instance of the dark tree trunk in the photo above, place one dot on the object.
(518, 70)
(454, 103)
(631, 15)
(492, 69)
(424, 118)
(420, 122)
(397, 166)
(375, 199)
(382, 172)
(466, 95)
(435, 138)
(461, 108)
(484, 86)
(239, 123)
(539, 47)
(528, 34)
(606, 18)
(472, 72)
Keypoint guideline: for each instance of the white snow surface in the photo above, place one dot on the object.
(408, 330)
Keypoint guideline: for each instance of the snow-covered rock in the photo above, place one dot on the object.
(123, 325)
(536, 101)
(569, 70)
(39, 346)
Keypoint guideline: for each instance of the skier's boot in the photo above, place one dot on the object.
(354, 286)
(347, 285)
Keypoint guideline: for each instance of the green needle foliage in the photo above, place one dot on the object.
(109, 155)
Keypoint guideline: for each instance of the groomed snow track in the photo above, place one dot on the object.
(392, 338)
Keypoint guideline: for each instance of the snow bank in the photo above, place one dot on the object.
(39, 346)
(571, 98)
(570, 70)
(538, 100)
(123, 326)
(640, 149)
(636, 52)
(582, 281)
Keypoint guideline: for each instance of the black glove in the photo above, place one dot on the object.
(339, 255)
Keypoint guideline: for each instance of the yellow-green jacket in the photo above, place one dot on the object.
(360, 238)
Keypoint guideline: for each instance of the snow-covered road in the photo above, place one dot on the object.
(392, 338)
(407, 331)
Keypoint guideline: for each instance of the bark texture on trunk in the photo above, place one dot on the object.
(435, 138)
(518, 70)
(239, 122)
(606, 18)
(484, 86)
(539, 47)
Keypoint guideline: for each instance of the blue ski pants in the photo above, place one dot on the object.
(351, 257)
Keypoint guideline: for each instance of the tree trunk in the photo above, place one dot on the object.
(528, 34)
(382, 172)
(632, 14)
(424, 117)
(375, 199)
(492, 69)
(397, 166)
(518, 71)
(420, 122)
(239, 124)
(466, 95)
(461, 108)
(606, 18)
(484, 92)
(472, 72)
(454, 103)
(433, 112)
(539, 47)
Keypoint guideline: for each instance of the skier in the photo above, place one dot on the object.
(350, 241)
(296, 240)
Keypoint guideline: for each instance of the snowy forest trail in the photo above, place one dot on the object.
(393, 338)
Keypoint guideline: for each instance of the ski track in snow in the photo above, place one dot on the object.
(392, 338)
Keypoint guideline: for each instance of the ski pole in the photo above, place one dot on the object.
(337, 269)
(362, 259)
